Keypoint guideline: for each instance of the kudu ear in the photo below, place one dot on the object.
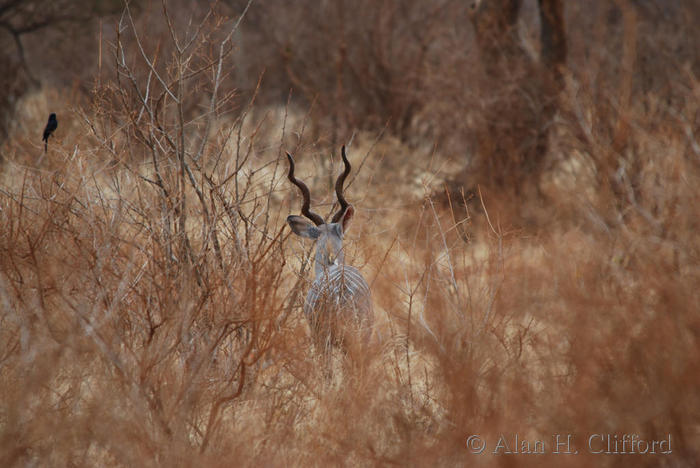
(303, 227)
(345, 218)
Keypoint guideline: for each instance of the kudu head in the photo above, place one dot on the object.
(329, 236)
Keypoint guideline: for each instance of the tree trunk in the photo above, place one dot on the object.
(518, 94)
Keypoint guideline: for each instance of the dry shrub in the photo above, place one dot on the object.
(123, 290)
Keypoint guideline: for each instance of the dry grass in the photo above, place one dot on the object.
(150, 294)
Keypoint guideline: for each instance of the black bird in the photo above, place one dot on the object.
(50, 127)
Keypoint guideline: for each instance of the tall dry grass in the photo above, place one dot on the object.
(150, 295)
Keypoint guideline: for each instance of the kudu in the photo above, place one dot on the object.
(339, 300)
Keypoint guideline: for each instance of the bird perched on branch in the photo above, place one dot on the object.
(51, 125)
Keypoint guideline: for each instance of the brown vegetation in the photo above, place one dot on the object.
(150, 293)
